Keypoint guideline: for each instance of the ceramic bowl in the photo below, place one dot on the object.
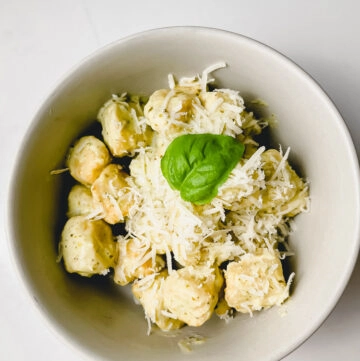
(101, 319)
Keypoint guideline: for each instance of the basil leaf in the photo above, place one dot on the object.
(197, 164)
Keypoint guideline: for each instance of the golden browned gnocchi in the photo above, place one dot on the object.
(150, 293)
(284, 189)
(165, 105)
(123, 127)
(135, 261)
(193, 228)
(81, 202)
(111, 192)
(225, 105)
(191, 293)
(87, 158)
(255, 282)
(87, 246)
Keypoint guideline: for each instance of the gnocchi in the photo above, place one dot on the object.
(87, 158)
(87, 246)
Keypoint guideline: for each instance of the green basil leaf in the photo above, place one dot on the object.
(197, 164)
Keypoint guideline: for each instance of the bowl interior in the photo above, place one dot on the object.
(102, 318)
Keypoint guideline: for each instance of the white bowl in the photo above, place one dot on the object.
(101, 318)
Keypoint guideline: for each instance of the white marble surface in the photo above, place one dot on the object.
(41, 40)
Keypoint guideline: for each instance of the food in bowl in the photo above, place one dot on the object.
(99, 318)
(206, 208)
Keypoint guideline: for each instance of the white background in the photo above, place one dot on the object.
(41, 40)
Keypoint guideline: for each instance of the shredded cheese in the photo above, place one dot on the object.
(209, 70)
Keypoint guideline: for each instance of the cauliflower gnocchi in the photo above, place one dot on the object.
(192, 293)
(87, 158)
(135, 261)
(150, 293)
(255, 282)
(196, 218)
(87, 246)
(123, 125)
(111, 192)
(166, 105)
(81, 202)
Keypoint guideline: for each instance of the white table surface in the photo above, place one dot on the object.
(41, 40)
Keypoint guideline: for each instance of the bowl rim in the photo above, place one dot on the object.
(60, 332)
